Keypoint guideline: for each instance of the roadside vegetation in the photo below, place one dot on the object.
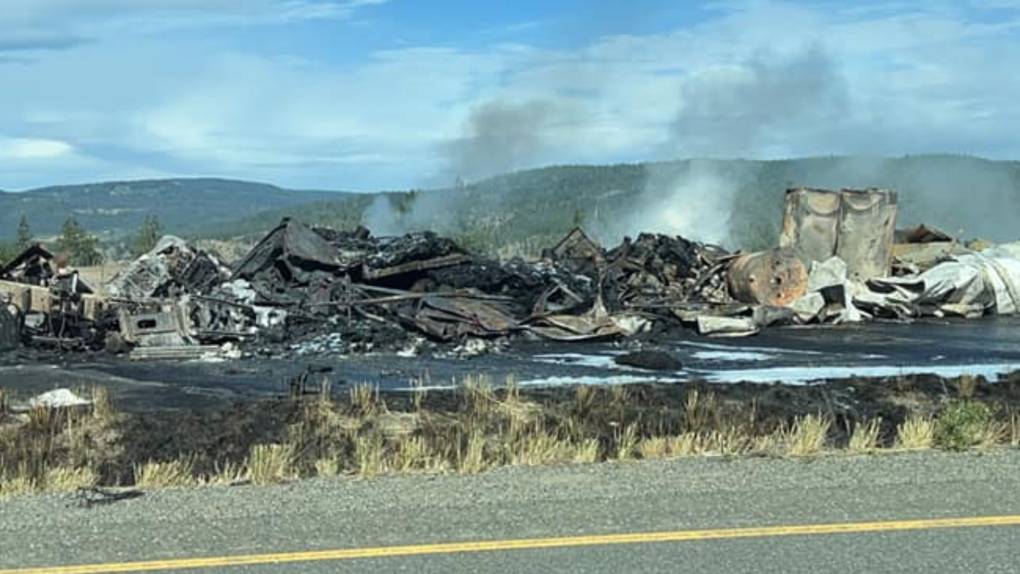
(362, 433)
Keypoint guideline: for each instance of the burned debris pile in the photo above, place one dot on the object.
(303, 290)
(49, 303)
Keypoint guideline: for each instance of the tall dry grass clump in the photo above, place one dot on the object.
(69, 479)
(365, 399)
(807, 436)
(865, 436)
(916, 432)
(174, 473)
(270, 464)
(102, 403)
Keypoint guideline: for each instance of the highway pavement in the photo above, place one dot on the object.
(931, 512)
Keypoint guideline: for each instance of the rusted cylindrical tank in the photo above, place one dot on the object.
(776, 277)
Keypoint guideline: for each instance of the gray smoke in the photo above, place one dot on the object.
(499, 137)
(733, 111)
(765, 103)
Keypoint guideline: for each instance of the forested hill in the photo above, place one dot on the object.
(739, 200)
(962, 194)
(115, 208)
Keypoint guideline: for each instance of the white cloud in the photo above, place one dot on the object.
(56, 24)
(902, 79)
(29, 148)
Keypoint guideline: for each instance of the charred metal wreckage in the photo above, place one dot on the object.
(303, 290)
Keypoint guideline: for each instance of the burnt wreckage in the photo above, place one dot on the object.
(320, 290)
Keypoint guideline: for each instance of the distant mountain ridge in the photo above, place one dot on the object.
(742, 199)
(530, 209)
(116, 208)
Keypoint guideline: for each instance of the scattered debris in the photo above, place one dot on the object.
(309, 291)
(10, 336)
(58, 398)
(650, 360)
(171, 269)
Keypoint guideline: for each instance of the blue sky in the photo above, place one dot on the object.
(393, 94)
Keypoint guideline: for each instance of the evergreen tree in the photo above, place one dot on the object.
(148, 236)
(24, 234)
(76, 242)
(7, 252)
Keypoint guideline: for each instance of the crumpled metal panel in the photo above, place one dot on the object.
(867, 228)
(858, 226)
(597, 323)
(295, 246)
(449, 319)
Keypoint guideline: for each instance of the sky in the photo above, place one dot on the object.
(400, 94)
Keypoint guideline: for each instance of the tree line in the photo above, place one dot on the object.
(82, 248)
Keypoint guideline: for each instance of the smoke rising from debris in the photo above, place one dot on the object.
(745, 110)
(692, 199)
(732, 111)
(769, 105)
(498, 137)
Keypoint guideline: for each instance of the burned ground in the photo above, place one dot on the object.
(608, 423)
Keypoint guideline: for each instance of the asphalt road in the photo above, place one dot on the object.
(902, 513)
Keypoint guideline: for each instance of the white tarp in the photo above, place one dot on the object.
(970, 284)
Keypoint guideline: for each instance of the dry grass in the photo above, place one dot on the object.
(18, 485)
(226, 474)
(965, 386)
(586, 451)
(102, 403)
(472, 457)
(807, 436)
(653, 447)
(626, 442)
(917, 432)
(365, 399)
(865, 436)
(414, 454)
(479, 398)
(270, 464)
(686, 444)
(473, 430)
(370, 455)
(175, 473)
(991, 435)
(64, 479)
(584, 399)
(701, 411)
(328, 467)
(539, 447)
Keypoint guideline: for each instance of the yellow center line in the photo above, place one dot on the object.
(526, 544)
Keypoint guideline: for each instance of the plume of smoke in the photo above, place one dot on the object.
(731, 111)
(399, 213)
(500, 136)
(382, 219)
(691, 198)
(744, 110)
